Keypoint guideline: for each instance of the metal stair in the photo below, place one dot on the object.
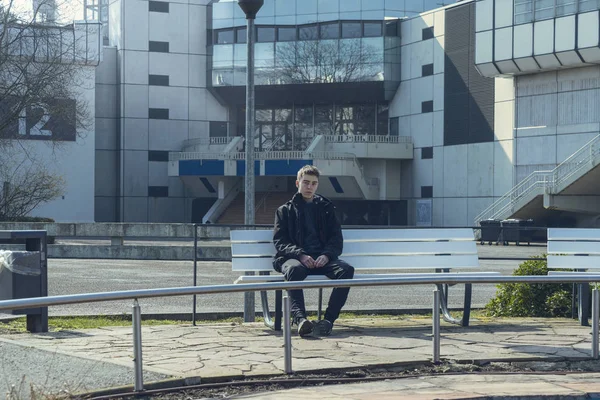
(545, 182)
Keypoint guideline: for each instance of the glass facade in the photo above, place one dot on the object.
(313, 41)
(536, 10)
(330, 52)
(294, 127)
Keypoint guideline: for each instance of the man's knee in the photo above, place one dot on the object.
(293, 270)
(347, 271)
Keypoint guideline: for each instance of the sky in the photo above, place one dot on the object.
(68, 10)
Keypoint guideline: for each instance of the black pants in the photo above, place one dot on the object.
(294, 270)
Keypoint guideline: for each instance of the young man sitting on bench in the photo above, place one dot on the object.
(308, 239)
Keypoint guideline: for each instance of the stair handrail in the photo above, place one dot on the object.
(588, 152)
(511, 197)
(574, 163)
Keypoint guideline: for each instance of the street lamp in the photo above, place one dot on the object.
(250, 8)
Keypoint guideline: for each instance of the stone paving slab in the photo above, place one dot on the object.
(499, 386)
(227, 350)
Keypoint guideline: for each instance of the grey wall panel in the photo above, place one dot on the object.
(537, 111)
(105, 209)
(579, 107)
(166, 210)
(468, 97)
(135, 209)
(135, 173)
(106, 133)
(106, 173)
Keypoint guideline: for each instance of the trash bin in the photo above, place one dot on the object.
(23, 274)
(514, 230)
(527, 232)
(491, 231)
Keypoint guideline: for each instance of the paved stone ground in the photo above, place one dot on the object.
(250, 350)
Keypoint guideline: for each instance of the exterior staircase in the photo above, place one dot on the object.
(540, 183)
(266, 203)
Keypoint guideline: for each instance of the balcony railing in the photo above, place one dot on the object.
(207, 141)
(267, 155)
(367, 139)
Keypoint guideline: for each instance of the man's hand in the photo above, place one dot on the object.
(321, 261)
(307, 261)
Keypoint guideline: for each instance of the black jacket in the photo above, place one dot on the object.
(288, 232)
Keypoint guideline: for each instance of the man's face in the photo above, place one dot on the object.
(307, 186)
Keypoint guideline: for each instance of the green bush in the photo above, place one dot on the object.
(531, 300)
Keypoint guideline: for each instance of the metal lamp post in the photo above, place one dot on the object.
(250, 8)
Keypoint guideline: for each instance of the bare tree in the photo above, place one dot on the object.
(39, 76)
(24, 186)
(40, 100)
(325, 61)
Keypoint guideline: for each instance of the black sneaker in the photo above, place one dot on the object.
(323, 328)
(305, 327)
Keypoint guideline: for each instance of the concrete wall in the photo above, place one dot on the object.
(556, 114)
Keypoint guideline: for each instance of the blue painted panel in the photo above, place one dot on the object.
(197, 168)
(336, 184)
(240, 168)
(285, 167)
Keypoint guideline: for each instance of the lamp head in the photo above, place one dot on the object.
(250, 7)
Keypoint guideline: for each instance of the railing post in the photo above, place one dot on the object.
(595, 315)
(435, 315)
(287, 334)
(137, 347)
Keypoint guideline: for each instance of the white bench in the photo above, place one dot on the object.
(367, 250)
(577, 250)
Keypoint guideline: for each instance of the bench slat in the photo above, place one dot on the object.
(374, 262)
(573, 247)
(403, 235)
(368, 248)
(370, 235)
(576, 262)
(573, 234)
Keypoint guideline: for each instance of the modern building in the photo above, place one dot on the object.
(49, 136)
(417, 112)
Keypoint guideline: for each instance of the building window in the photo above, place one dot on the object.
(426, 192)
(426, 153)
(224, 36)
(329, 30)
(158, 6)
(241, 35)
(265, 34)
(372, 29)
(351, 29)
(218, 129)
(158, 191)
(158, 47)
(394, 126)
(286, 34)
(427, 106)
(427, 70)
(158, 113)
(427, 33)
(308, 32)
(158, 155)
(158, 80)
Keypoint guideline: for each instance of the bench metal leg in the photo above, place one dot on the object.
(464, 321)
(278, 310)
(265, 310)
(584, 304)
(320, 304)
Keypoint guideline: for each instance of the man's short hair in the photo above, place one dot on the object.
(308, 170)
